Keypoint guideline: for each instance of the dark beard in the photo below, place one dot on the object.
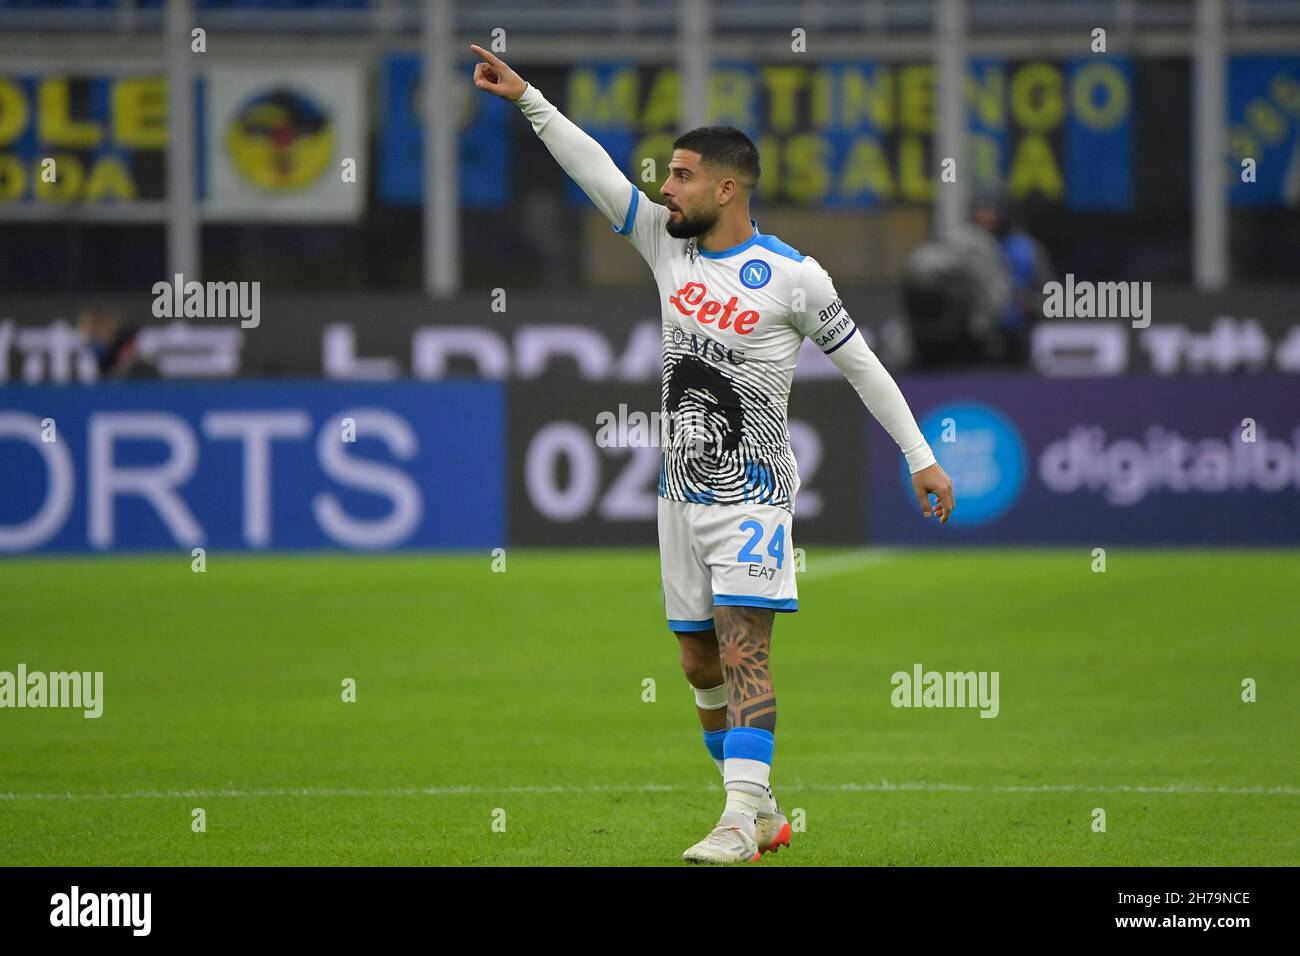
(690, 226)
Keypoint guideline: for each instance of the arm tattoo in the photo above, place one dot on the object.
(744, 643)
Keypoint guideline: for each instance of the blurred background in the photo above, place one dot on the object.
(415, 267)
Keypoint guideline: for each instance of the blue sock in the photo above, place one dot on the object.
(713, 739)
(749, 743)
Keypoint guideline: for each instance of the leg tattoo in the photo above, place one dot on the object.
(744, 643)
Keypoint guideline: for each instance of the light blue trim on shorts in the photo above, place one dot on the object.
(690, 626)
(747, 600)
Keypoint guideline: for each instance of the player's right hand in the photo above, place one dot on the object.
(493, 76)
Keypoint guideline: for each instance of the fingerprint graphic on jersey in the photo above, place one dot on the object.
(728, 440)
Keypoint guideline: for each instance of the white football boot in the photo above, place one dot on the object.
(771, 828)
(724, 845)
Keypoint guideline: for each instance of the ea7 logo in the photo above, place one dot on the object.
(102, 909)
(690, 300)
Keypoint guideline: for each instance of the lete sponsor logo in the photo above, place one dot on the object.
(690, 300)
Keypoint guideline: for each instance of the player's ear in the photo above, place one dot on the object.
(726, 189)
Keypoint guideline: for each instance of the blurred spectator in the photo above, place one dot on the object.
(1028, 268)
(971, 299)
(113, 345)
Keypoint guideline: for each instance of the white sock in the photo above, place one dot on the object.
(740, 811)
(768, 802)
(746, 783)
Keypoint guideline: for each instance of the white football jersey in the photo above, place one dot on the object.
(733, 323)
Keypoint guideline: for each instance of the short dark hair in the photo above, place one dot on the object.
(724, 146)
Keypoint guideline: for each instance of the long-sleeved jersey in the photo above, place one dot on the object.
(733, 323)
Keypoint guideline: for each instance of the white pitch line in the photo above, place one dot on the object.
(883, 786)
(850, 561)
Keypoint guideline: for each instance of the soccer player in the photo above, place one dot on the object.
(736, 307)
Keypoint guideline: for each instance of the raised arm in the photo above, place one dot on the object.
(584, 159)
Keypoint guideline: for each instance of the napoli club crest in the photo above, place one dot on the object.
(755, 274)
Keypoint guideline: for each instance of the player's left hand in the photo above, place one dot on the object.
(933, 481)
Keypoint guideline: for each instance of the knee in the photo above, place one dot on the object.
(702, 667)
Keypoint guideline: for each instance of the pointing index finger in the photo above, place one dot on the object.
(487, 55)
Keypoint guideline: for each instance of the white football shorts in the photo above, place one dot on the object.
(715, 555)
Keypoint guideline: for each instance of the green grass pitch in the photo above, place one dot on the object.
(518, 697)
